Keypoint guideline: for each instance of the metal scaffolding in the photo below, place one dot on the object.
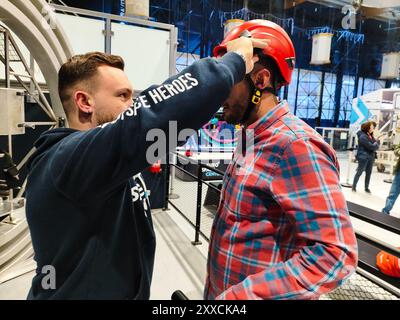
(11, 56)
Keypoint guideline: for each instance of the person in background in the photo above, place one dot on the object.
(395, 189)
(367, 146)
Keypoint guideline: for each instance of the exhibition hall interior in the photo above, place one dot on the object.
(321, 222)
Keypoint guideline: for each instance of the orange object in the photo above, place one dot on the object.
(388, 264)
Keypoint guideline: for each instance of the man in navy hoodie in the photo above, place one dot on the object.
(86, 205)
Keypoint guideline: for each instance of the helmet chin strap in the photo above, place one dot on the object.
(255, 97)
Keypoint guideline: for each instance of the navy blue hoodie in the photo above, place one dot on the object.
(86, 206)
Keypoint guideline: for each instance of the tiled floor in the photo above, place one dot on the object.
(180, 265)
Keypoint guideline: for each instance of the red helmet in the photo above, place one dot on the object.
(280, 48)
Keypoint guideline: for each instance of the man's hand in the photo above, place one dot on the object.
(244, 46)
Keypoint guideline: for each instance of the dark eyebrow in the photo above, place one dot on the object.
(126, 89)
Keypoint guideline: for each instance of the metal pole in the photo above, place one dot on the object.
(285, 92)
(203, 29)
(173, 45)
(362, 89)
(321, 100)
(10, 152)
(347, 184)
(172, 195)
(297, 91)
(31, 84)
(108, 34)
(198, 204)
(166, 183)
(7, 59)
(8, 85)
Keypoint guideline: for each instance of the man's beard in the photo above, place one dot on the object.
(105, 118)
(230, 120)
(232, 117)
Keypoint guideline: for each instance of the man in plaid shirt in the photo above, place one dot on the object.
(282, 230)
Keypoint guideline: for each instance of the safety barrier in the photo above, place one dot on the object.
(190, 184)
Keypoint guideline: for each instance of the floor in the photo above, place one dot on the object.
(176, 256)
(379, 188)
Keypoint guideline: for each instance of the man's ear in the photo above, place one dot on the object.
(262, 78)
(84, 102)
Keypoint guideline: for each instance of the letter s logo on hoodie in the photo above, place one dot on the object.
(140, 193)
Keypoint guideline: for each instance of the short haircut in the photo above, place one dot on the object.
(81, 68)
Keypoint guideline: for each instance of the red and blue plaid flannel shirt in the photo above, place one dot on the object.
(282, 230)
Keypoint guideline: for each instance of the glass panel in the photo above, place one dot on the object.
(372, 85)
(328, 100)
(144, 67)
(84, 34)
(346, 98)
(308, 94)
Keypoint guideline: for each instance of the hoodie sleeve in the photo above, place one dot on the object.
(89, 164)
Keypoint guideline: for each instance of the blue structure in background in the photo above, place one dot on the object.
(321, 95)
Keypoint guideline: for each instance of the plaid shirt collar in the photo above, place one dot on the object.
(270, 118)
